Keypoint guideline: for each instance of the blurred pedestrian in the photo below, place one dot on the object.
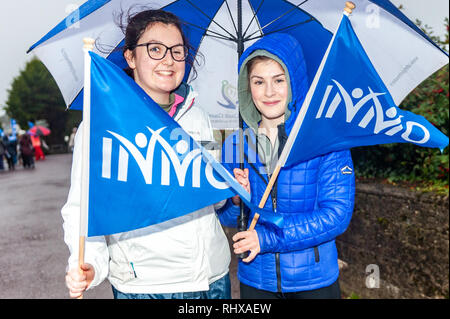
(38, 153)
(2, 153)
(11, 151)
(72, 139)
(26, 150)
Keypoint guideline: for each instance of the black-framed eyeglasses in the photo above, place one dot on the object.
(157, 51)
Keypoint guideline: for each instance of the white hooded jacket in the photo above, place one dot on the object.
(183, 254)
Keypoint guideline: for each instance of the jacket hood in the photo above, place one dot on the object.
(287, 51)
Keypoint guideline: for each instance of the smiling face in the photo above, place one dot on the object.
(269, 89)
(157, 77)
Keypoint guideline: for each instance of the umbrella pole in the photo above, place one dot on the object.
(242, 219)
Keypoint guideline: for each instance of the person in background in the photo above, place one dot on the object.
(37, 143)
(72, 139)
(26, 150)
(11, 151)
(2, 151)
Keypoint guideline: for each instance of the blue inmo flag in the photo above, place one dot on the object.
(144, 168)
(348, 105)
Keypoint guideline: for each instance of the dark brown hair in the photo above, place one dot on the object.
(251, 63)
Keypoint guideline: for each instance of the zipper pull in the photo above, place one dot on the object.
(274, 204)
(134, 272)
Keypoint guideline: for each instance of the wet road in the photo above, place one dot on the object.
(33, 255)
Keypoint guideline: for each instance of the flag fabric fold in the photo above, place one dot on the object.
(350, 106)
(144, 168)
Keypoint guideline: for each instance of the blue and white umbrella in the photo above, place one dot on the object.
(220, 29)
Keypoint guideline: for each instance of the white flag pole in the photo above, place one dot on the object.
(88, 46)
(349, 6)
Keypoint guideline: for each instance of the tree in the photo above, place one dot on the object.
(33, 96)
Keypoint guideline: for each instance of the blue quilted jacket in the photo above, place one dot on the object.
(315, 197)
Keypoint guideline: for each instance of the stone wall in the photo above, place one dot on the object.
(397, 244)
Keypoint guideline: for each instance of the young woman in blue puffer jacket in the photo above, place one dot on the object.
(315, 198)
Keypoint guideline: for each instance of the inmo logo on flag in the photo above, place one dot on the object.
(370, 107)
(168, 155)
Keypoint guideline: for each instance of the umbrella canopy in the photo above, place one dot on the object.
(39, 130)
(220, 29)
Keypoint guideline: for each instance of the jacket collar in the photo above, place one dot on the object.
(184, 99)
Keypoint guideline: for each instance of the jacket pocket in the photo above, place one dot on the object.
(123, 272)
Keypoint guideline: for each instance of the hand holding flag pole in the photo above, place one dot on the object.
(88, 46)
(349, 6)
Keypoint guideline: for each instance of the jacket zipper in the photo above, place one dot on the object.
(277, 255)
(277, 263)
(274, 208)
(316, 254)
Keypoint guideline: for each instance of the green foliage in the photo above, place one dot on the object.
(354, 295)
(34, 96)
(408, 162)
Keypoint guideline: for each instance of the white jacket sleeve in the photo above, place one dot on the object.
(96, 250)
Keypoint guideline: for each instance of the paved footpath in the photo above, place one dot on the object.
(33, 255)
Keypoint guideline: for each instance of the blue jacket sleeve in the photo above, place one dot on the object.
(336, 190)
(229, 213)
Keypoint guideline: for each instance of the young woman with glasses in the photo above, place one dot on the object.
(186, 257)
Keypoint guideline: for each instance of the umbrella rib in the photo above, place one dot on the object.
(231, 16)
(253, 18)
(217, 35)
(249, 38)
(287, 12)
(211, 19)
(220, 36)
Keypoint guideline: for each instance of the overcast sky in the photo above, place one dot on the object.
(23, 22)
